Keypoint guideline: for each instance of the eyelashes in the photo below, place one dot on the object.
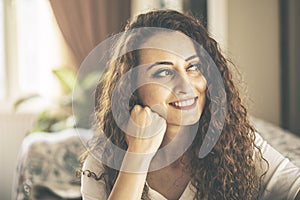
(193, 69)
(163, 73)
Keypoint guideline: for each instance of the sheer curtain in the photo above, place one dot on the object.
(85, 23)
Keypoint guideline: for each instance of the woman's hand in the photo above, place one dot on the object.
(145, 130)
(144, 134)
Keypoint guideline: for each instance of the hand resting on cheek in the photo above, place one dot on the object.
(145, 130)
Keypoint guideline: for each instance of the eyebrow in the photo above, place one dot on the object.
(191, 57)
(170, 63)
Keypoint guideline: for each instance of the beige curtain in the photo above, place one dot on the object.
(85, 23)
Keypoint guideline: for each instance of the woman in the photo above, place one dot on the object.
(172, 91)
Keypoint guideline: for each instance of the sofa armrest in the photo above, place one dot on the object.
(47, 166)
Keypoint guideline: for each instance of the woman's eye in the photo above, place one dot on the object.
(194, 67)
(163, 73)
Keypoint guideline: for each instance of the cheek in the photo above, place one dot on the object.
(200, 85)
(152, 94)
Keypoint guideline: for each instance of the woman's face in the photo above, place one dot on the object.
(171, 82)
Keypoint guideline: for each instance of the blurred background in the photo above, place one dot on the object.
(43, 43)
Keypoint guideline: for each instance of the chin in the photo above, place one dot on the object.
(189, 123)
(184, 122)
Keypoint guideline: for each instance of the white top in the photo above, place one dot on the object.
(282, 180)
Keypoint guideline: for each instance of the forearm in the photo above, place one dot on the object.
(131, 179)
(147, 133)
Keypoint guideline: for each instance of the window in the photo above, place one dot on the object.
(38, 46)
(2, 72)
(33, 46)
(138, 6)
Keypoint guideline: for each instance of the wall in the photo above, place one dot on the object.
(13, 128)
(138, 6)
(253, 44)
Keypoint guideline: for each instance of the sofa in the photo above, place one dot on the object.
(48, 162)
(47, 165)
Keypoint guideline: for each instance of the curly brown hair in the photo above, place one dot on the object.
(228, 171)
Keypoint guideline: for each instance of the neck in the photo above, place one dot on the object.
(185, 133)
(177, 140)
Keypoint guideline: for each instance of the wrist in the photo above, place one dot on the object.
(138, 147)
(136, 162)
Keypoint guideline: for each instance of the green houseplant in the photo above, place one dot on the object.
(62, 117)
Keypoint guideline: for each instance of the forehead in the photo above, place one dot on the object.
(173, 42)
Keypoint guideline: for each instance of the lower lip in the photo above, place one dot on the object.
(186, 107)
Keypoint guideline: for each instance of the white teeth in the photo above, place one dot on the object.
(184, 103)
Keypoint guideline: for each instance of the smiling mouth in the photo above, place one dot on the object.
(184, 104)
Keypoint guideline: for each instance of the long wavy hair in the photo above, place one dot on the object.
(228, 171)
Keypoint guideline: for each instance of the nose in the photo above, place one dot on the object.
(182, 85)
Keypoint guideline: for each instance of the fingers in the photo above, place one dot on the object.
(144, 123)
(141, 116)
(145, 130)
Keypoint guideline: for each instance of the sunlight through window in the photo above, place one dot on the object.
(2, 68)
(39, 49)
